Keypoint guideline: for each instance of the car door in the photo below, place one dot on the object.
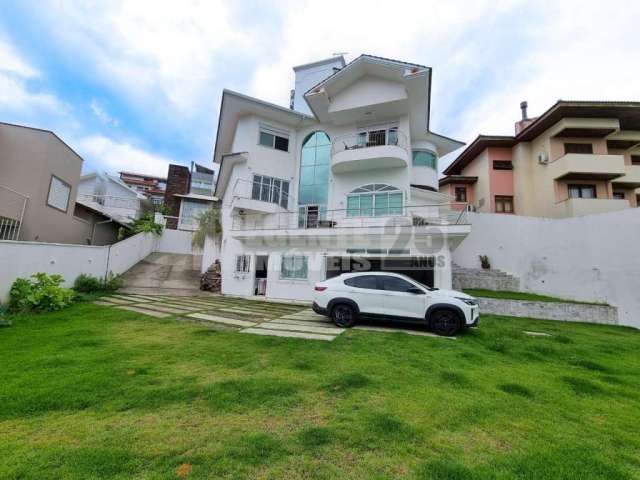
(364, 290)
(398, 299)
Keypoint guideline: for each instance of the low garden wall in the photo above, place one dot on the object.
(566, 312)
(23, 259)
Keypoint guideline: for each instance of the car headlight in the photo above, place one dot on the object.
(468, 301)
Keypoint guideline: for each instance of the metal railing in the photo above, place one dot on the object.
(124, 207)
(12, 207)
(443, 214)
(372, 138)
(261, 192)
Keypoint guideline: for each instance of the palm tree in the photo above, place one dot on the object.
(209, 225)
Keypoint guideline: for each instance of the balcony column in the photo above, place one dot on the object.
(443, 277)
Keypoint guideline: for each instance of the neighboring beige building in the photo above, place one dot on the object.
(39, 175)
(577, 158)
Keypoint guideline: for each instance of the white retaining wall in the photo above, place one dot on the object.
(590, 258)
(175, 241)
(22, 259)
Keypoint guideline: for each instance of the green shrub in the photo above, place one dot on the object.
(40, 293)
(89, 284)
(145, 224)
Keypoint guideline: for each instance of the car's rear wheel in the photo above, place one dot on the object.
(343, 315)
(445, 322)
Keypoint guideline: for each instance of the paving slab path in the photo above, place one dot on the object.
(247, 316)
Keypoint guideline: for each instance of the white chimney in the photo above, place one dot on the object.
(309, 75)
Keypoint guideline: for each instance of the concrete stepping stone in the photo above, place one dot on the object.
(162, 308)
(117, 301)
(144, 311)
(310, 323)
(106, 304)
(417, 333)
(537, 334)
(131, 299)
(223, 320)
(302, 328)
(281, 333)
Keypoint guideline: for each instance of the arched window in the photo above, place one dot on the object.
(374, 200)
(314, 169)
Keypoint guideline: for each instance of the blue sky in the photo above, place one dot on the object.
(134, 85)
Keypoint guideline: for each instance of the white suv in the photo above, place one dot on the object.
(391, 295)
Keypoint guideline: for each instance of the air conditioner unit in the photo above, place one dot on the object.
(543, 158)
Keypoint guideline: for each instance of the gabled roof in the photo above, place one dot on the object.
(234, 105)
(42, 130)
(628, 114)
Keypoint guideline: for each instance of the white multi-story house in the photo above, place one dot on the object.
(346, 179)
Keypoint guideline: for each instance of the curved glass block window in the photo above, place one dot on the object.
(425, 158)
(314, 169)
(374, 200)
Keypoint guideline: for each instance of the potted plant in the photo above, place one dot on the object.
(484, 262)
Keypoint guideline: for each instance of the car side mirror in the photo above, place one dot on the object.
(415, 291)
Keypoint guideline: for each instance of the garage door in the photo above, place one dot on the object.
(418, 268)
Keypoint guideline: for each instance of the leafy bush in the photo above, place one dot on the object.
(209, 225)
(4, 321)
(484, 262)
(145, 224)
(89, 284)
(40, 293)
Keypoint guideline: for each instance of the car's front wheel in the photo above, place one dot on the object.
(343, 315)
(445, 322)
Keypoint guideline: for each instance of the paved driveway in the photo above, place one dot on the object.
(248, 316)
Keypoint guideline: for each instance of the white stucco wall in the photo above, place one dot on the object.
(591, 258)
(22, 259)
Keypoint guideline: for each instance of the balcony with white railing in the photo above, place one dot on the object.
(122, 208)
(262, 195)
(314, 222)
(371, 150)
(12, 207)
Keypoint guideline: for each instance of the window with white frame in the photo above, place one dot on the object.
(294, 267)
(269, 189)
(377, 200)
(59, 192)
(243, 263)
(273, 139)
(190, 210)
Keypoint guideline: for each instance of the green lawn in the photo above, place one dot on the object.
(506, 295)
(95, 392)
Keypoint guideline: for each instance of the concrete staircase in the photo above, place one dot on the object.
(484, 279)
(166, 274)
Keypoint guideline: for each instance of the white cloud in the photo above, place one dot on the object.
(152, 50)
(114, 156)
(99, 111)
(15, 95)
(12, 63)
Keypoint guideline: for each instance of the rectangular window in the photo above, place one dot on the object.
(504, 204)
(425, 158)
(59, 192)
(273, 190)
(502, 165)
(243, 263)
(190, 212)
(274, 140)
(578, 148)
(618, 195)
(635, 159)
(582, 191)
(461, 194)
(294, 267)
